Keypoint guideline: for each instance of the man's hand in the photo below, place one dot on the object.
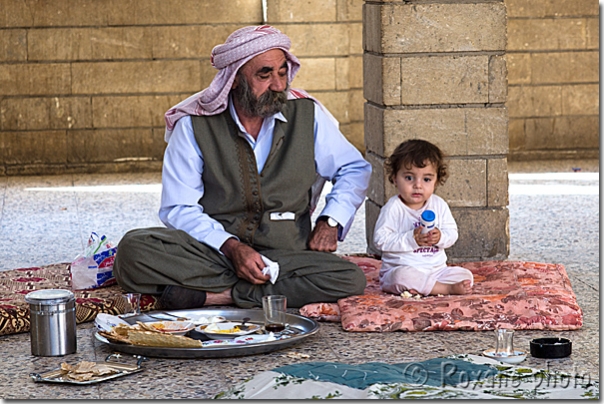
(247, 261)
(427, 239)
(323, 237)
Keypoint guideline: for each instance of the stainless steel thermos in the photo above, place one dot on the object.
(53, 322)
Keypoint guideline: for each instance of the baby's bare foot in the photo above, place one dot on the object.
(460, 288)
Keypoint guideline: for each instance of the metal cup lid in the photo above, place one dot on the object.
(49, 296)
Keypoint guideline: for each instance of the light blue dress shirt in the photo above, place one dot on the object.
(336, 160)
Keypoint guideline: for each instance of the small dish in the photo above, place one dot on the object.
(106, 322)
(226, 330)
(255, 339)
(172, 327)
(518, 356)
(208, 320)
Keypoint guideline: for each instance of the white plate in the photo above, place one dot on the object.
(518, 356)
(106, 322)
(172, 327)
(221, 330)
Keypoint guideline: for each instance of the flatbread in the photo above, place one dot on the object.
(159, 339)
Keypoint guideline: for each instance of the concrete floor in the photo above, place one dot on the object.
(554, 217)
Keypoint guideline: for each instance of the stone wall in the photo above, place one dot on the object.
(84, 84)
(553, 65)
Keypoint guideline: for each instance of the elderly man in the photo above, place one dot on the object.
(239, 173)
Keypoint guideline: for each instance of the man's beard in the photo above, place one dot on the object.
(266, 105)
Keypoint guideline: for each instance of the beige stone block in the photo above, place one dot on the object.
(567, 132)
(498, 84)
(316, 74)
(342, 74)
(443, 127)
(355, 32)
(37, 147)
(581, 99)
(53, 13)
(382, 79)
(35, 79)
(356, 105)
(280, 11)
(131, 111)
(114, 145)
(372, 212)
(517, 134)
(336, 102)
(467, 183)
(317, 40)
(374, 129)
(483, 234)
(355, 71)
(136, 77)
(42, 113)
(354, 133)
(89, 43)
(350, 10)
(486, 131)
(445, 80)
(244, 12)
(497, 182)
(593, 33)
(519, 68)
(565, 67)
(193, 41)
(13, 45)
(422, 28)
(525, 101)
(551, 8)
(547, 34)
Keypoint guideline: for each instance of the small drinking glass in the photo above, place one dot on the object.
(275, 310)
(132, 302)
(505, 342)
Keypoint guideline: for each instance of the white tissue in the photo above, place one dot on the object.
(271, 269)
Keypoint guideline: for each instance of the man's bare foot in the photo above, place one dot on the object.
(219, 299)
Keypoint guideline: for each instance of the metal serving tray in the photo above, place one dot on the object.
(299, 329)
(123, 369)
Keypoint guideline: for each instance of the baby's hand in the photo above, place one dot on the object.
(434, 236)
(426, 239)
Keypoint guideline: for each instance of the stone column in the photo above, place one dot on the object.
(437, 71)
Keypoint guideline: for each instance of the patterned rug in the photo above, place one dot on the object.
(506, 294)
(512, 294)
(15, 284)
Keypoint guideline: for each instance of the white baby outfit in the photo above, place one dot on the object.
(406, 265)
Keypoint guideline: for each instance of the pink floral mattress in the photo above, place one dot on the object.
(507, 294)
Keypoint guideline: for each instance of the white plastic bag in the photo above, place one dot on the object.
(94, 268)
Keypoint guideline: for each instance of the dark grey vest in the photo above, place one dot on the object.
(249, 204)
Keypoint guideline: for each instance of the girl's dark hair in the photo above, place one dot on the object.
(418, 153)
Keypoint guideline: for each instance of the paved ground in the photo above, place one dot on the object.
(554, 217)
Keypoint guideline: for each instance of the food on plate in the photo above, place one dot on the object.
(158, 339)
(84, 370)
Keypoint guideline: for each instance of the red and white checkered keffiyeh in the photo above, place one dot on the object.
(241, 46)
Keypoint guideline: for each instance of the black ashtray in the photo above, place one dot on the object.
(551, 348)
